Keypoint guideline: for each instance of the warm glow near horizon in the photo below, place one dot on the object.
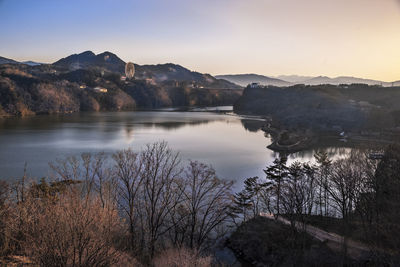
(310, 37)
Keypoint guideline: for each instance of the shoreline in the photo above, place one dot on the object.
(305, 139)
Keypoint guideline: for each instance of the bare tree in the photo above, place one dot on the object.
(345, 185)
(128, 173)
(160, 170)
(89, 169)
(294, 191)
(207, 200)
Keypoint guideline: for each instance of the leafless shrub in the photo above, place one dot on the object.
(5, 211)
(71, 232)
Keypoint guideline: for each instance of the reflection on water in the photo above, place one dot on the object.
(235, 147)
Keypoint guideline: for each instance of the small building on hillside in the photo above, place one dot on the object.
(254, 85)
(100, 89)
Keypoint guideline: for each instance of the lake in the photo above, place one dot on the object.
(233, 145)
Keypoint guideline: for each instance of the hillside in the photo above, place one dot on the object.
(171, 72)
(263, 242)
(89, 82)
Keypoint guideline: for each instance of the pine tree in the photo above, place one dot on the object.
(323, 165)
(277, 173)
(241, 205)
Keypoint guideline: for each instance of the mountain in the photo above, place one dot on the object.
(295, 79)
(155, 74)
(31, 63)
(105, 61)
(341, 80)
(4, 60)
(245, 79)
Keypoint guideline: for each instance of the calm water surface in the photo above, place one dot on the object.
(234, 146)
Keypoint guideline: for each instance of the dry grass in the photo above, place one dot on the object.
(182, 257)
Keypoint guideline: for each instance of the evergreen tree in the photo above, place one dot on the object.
(277, 174)
(241, 205)
(323, 165)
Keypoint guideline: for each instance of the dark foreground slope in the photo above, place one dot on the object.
(325, 107)
(264, 242)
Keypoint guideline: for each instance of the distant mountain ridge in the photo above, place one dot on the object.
(4, 60)
(294, 78)
(287, 80)
(245, 79)
(342, 80)
(160, 73)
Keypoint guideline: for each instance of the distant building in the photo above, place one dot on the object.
(83, 86)
(100, 89)
(337, 128)
(150, 81)
(254, 85)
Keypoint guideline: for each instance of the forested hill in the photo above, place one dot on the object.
(89, 82)
(325, 106)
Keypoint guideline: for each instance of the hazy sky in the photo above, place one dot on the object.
(271, 37)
